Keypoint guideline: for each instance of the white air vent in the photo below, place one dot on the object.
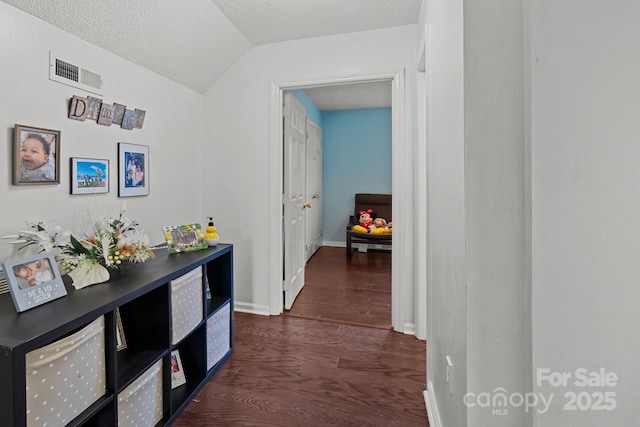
(66, 72)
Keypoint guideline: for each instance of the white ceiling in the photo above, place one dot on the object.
(270, 21)
(351, 96)
(195, 45)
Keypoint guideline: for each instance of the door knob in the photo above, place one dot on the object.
(306, 205)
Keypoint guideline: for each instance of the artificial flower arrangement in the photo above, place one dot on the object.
(110, 243)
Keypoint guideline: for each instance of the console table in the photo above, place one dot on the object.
(175, 302)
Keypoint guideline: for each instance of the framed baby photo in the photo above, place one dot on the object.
(34, 281)
(36, 155)
(133, 170)
(89, 176)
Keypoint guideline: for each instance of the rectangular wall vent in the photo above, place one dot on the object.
(66, 72)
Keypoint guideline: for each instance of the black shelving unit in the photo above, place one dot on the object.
(142, 295)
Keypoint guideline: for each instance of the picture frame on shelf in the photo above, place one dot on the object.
(36, 155)
(177, 372)
(34, 280)
(89, 176)
(133, 170)
(184, 238)
(121, 341)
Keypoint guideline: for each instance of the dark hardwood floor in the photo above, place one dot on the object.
(292, 371)
(354, 291)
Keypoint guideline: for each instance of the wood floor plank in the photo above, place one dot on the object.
(354, 291)
(349, 368)
(287, 371)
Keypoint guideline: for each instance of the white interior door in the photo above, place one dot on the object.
(295, 122)
(313, 234)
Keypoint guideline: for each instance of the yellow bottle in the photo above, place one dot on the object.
(211, 235)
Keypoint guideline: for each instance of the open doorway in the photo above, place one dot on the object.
(400, 265)
(355, 153)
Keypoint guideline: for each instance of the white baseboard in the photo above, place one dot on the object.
(432, 407)
(245, 307)
(409, 329)
(361, 247)
(334, 244)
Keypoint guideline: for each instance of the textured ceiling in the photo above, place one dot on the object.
(270, 21)
(191, 45)
(351, 96)
(195, 42)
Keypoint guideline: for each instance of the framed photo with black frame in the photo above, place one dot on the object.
(89, 176)
(133, 170)
(36, 155)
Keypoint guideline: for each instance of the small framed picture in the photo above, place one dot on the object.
(133, 170)
(89, 176)
(36, 156)
(121, 342)
(34, 281)
(177, 373)
(184, 238)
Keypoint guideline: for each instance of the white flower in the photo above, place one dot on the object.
(111, 242)
(45, 237)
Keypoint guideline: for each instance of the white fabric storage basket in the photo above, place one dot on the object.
(186, 304)
(140, 404)
(218, 335)
(66, 377)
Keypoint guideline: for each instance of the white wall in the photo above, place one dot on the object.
(498, 289)
(172, 130)
(227, 145)
(586, 205)
(237, 124)
(446, 292)
(550, 146)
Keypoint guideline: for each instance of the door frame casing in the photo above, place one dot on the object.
(402, 260)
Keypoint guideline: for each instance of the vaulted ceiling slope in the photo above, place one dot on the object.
(271, 21)
(192, 45)
(194, 42)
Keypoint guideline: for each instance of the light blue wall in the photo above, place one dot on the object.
(313, 113)
(356, 158)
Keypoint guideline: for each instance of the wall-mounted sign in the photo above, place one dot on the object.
(91, 108)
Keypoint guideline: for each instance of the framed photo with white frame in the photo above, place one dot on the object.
(89, 176)
(177, 372)
(133, 170)
(34, 280)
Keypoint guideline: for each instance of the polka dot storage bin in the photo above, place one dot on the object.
(66, 377)
(218, 332)
(140, 404)
(186, 304)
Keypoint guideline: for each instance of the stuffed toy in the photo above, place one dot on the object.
(378, 226)
(378, 223)
(364, 222)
